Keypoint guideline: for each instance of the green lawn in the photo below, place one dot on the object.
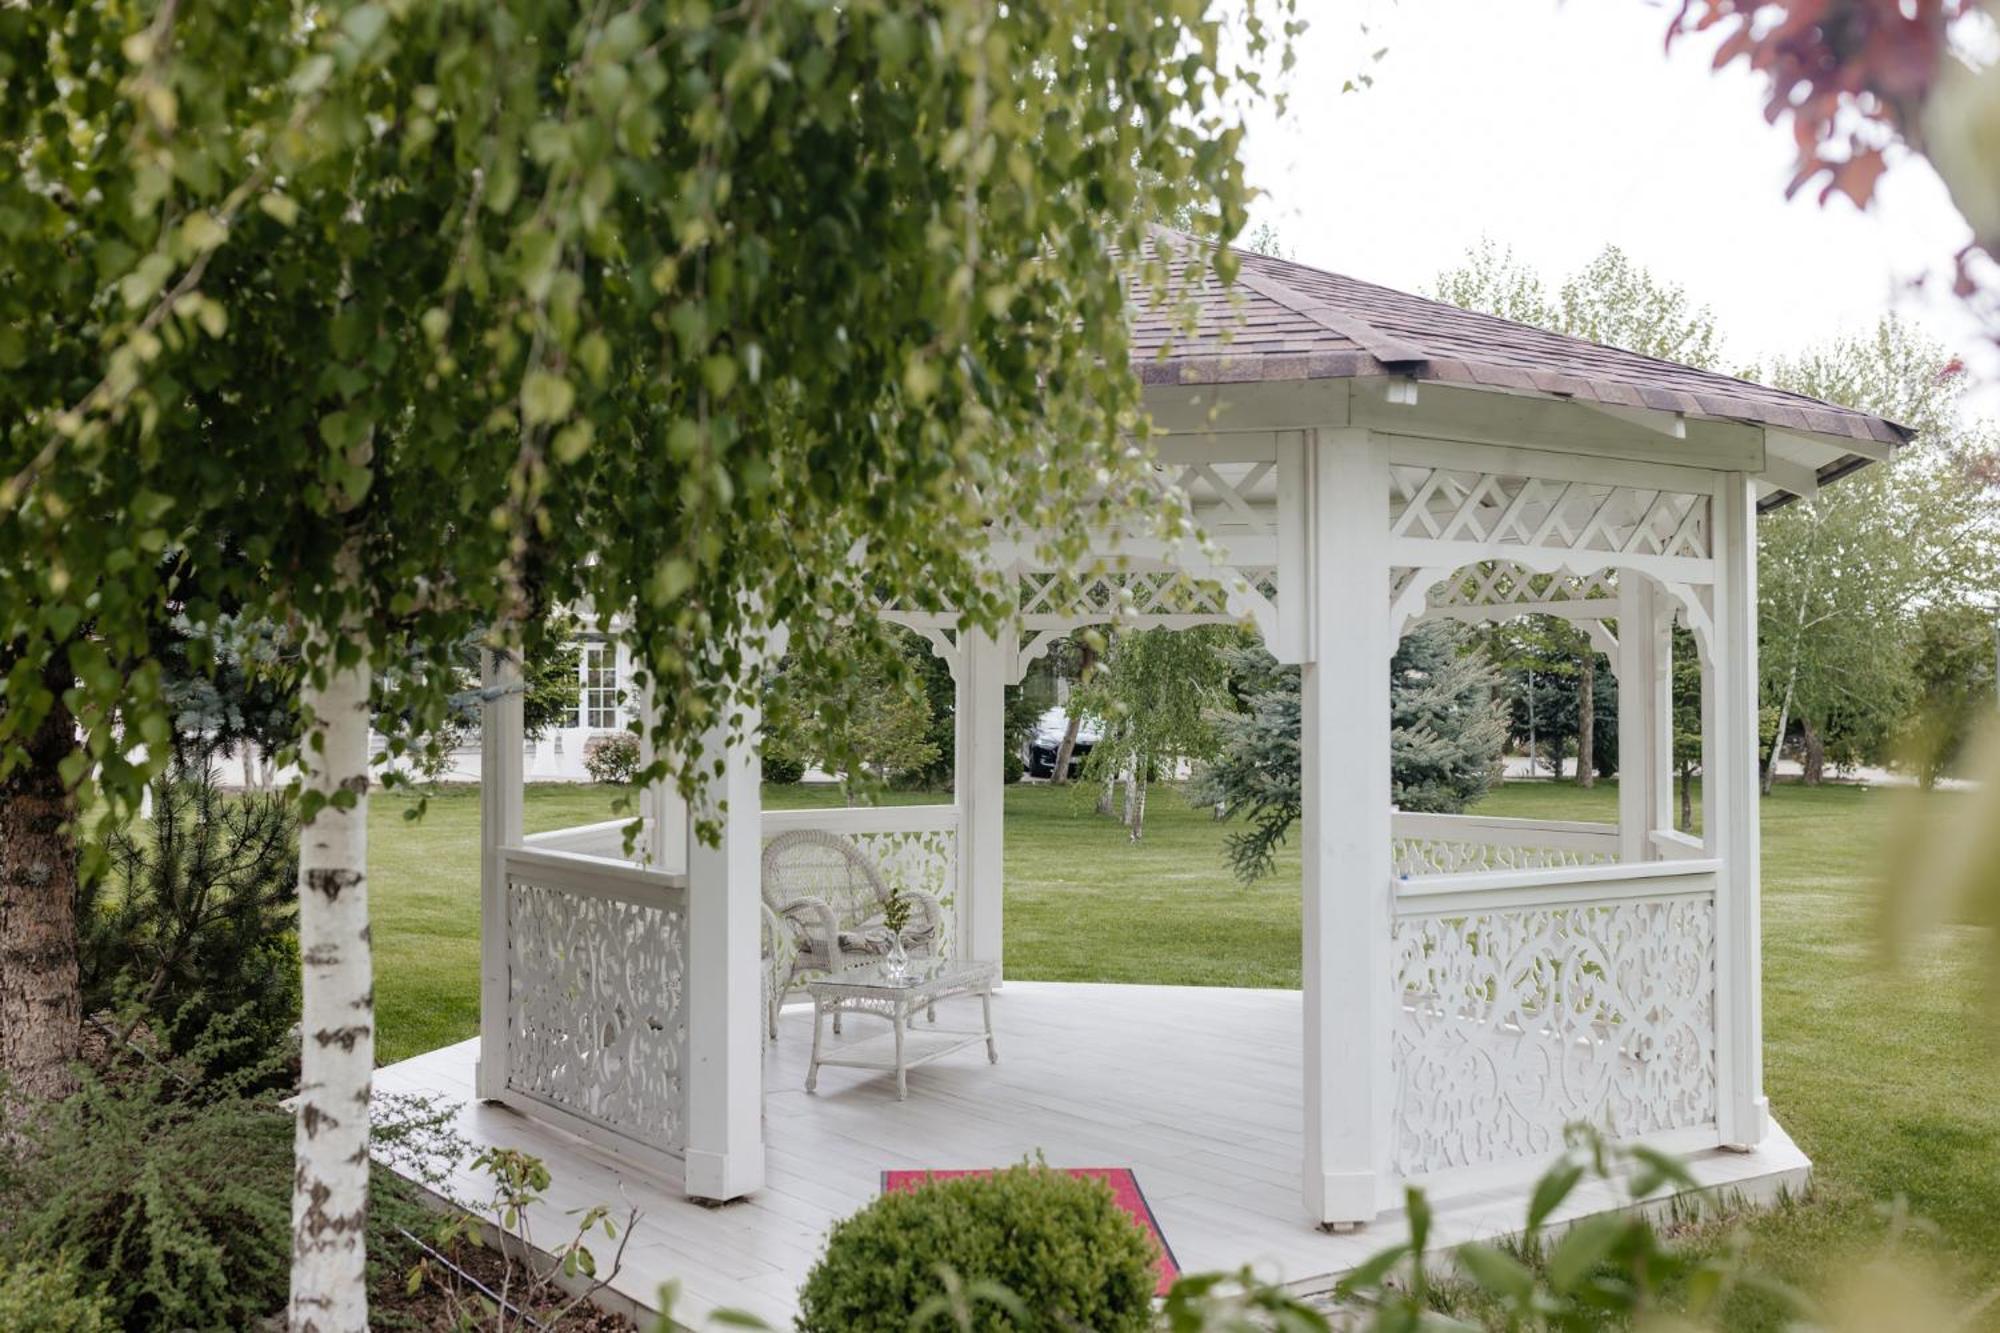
(1887, 1081)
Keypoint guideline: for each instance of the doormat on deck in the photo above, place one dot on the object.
(1124, 1187)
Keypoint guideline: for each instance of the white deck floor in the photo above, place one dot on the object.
(1196, 1089)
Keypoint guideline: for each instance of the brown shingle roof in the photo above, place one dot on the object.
(1285, 321)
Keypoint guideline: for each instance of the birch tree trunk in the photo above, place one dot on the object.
(40, 1018)
(1064, 751)
(1586, 717)
(1135, 803)
(1778, 741)
(330, 1183)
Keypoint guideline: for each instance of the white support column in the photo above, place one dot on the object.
(1729, 781)
(979, 788)
(661, 805)
(725, 1073)
(500, 745)
(1344, 830)
(1644, 667)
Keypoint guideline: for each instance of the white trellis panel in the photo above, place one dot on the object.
(1500, 510)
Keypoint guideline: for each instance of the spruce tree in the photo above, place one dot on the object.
(1444, 741)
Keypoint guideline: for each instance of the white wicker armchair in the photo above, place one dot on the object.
(779, 949)
(831, 896)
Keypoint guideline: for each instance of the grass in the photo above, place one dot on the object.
(1886, 1078)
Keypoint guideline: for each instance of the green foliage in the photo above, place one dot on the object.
(785, 770)
(416, 321)
(1444, 741)
(611, 757)
(173, 1195)
(48, 1298)
(1540, 659)
(1952, 650)
(1609, 300)
(194, 918)
(1845, 578)
(873, 710)
(1155, 692)
(171, 1191)
(1058, 1243)
(550, 675)
(1605, 1268)
(520, 1182)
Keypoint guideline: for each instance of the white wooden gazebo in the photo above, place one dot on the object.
(1360, 460)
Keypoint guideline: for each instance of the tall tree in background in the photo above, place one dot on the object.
(448, 315)
(1540, 661)
(1843, 575)
(1609, 300)
(1444, 741)
(1155, 694)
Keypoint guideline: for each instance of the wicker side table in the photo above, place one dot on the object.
(868, 989)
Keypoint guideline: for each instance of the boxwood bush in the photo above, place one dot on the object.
(1071, 1257)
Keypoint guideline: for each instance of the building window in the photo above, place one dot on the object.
(600, 686)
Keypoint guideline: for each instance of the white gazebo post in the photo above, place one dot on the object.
(979, 788)
(725, 1075)
(500, 743)
(664, 812)
(1730, 814)
(1345, 826)
(1644, 667)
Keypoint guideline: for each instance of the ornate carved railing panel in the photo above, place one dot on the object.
(1517, 1017)
(596, 1019)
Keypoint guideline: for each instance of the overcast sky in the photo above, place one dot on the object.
(1556, 128)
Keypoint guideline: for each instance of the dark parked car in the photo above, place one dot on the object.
(1047, 737)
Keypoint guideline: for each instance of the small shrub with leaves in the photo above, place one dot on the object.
(195, 918)
(611, 757)
(48, 1298)
(783, 769)
(169, 1191)
(1032, 1247)
(526, 1294)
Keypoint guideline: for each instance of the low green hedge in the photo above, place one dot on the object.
(1062, 1246)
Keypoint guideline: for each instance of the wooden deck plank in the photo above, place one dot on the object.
(1195, 1089)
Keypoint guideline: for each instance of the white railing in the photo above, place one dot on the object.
(914, 846)
(605, 838)
(1673, 845)
(1529, 1000)
(596, 1025)
(1461, 844)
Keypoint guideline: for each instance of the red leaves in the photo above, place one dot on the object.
(1849, 74)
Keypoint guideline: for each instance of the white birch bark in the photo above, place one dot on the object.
(329, 1291)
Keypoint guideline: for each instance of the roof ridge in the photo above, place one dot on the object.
(1387, 350)
(1511, 322)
